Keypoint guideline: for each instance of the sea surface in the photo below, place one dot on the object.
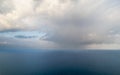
(59, 62)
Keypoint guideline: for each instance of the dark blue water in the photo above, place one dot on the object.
(59, 62)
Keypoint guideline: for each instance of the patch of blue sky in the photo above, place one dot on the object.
(36, 34)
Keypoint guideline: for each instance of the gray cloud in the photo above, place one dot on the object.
(25, 37)
(67, 23)
(6, 6)
(10, 30)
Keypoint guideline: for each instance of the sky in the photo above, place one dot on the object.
(60, 24)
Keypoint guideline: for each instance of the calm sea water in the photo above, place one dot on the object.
(60, 62)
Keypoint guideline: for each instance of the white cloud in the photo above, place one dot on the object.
(67, 23)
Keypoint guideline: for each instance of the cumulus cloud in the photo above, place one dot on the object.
(6, 6)
(66, 23)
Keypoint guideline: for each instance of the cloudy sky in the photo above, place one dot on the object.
(60, 24)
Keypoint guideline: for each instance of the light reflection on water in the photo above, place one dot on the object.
(60, 62)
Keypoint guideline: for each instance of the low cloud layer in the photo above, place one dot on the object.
(67, 24)
(24, 37)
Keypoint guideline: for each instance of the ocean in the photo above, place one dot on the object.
(59, 62)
